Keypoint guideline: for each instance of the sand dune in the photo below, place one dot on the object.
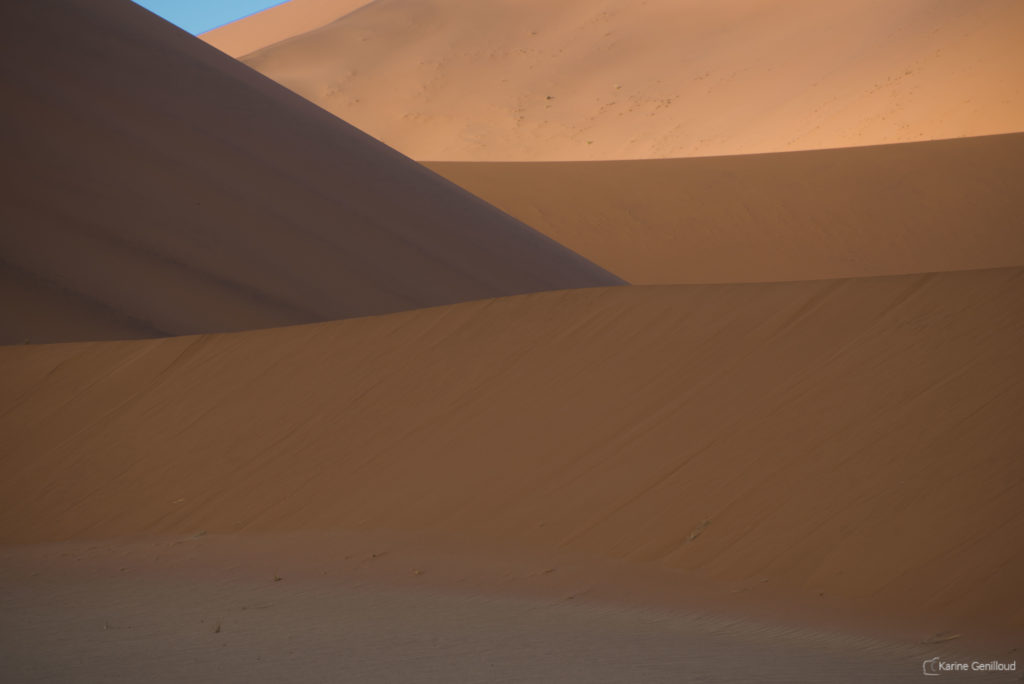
(663, 482)
(885, 210)
(534, 80)
(35, 310)
(164, 183)
(855, 439)
(278, 23)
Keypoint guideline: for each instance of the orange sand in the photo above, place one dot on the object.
(535, 80)
(858, 438)
(153, 177)
(702, 479)
(866, 211)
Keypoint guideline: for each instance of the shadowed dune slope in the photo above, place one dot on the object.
(277, 23)
(35, 310)
(883, 210)
(856, 437)
(158, 179)
(535, 80)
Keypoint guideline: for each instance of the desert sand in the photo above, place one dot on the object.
(211, 617)
(149, 175)
(278, 23)
(791, 452)
(797, 432)
(865, 211)
(534, 80)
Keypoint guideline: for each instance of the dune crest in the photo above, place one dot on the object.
(940, 205)
(277, 23)
(152, 177)
(535, 80)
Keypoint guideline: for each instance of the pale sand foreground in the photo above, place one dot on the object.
(849, 449)
(886, 210)
(536, 80)
(154, 185)
(111, 613)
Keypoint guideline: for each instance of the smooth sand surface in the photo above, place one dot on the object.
(811, 479)
(277, 23)
(848, 447)
(536, 80)
(35, 310)
(153, 177)
(886, 210)
(194, 610)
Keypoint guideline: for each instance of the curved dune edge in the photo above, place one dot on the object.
(851, 212)
(857, 438)
(534, 80)
(152, 177)
(277, 23)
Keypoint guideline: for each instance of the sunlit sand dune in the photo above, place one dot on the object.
(885, 210)
(791, 453)
(172, 190)
(278, 23)
(535, 80)
(855, 439)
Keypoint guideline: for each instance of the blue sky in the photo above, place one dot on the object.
(196, 16)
